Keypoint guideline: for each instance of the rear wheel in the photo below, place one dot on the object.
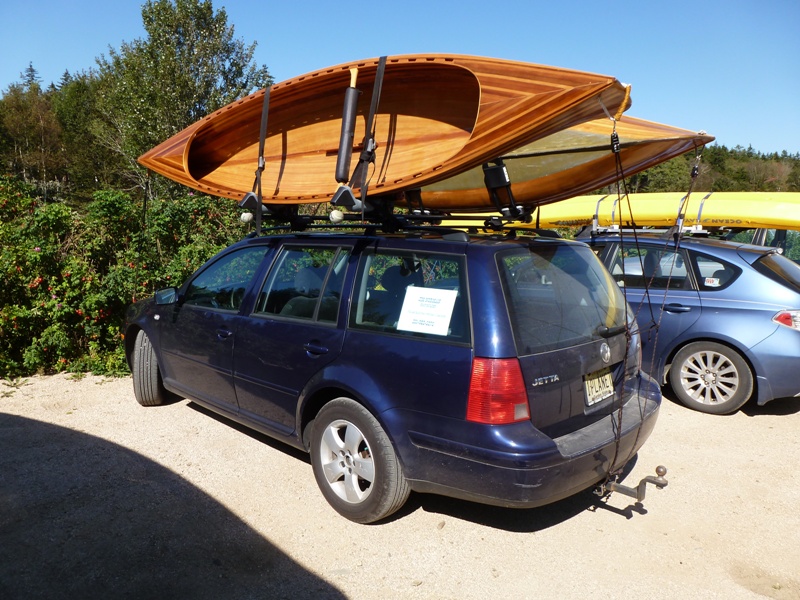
(354, 463)
(148, 388)
(711, 378)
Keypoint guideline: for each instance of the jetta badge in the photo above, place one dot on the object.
(605, 352)
(545, 380)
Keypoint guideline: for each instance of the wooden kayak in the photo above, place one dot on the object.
(570, 162)
(438, 115)
(750, 210)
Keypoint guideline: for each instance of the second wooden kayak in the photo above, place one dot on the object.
(574, 161)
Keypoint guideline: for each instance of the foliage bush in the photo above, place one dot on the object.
(69, 275)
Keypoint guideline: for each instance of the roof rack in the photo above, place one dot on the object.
(687, 230)
(379, 214)
(373, 213)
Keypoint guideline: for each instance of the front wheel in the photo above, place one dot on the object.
(711, 378)
(354, 463)
(148, 388)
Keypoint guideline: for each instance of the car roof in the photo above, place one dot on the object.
(698, 243)
(413, 236)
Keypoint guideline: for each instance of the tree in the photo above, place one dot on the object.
(717, 157)
(31, 131)
(30, 77)
(669, 176)
(89, 165)
(189, 65)
(793, 180)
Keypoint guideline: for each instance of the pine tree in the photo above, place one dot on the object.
(30, 77)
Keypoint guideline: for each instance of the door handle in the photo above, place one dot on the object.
(224, 334)
(314, 349)
(677, 308)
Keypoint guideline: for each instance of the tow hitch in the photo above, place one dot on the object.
(639, 491)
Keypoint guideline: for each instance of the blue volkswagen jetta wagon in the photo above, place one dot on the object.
(499, 369)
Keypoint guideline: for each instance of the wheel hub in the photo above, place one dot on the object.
(709, 378)
(346, 461)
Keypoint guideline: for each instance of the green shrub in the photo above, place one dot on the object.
(69, 276)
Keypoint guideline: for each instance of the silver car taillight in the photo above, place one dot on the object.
(789, 318)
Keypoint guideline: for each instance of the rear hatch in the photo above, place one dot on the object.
(572, 334)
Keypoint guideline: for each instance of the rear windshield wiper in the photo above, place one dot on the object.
(608, 332)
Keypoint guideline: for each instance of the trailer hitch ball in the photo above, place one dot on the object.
(639, 491)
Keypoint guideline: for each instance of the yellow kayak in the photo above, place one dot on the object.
(774, 210)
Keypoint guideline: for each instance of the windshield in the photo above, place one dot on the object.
(559, 296)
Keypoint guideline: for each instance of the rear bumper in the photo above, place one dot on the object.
(517, 466)
(775, 362)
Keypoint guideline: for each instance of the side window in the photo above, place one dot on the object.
(712, 273)
(647, 266)
(305, 283)
(418, 295)
(223, 283)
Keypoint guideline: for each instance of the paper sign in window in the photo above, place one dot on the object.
(427, 310)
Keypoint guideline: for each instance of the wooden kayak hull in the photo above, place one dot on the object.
(438, 115)
(570, 162)
(770, 210)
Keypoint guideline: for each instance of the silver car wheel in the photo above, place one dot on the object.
(347, 461)
(354, 462)
(709, 377)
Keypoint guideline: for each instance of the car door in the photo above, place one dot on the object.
(657, 282)
(197, 341)
(293, 332)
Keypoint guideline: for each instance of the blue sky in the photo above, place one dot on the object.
(729, 67)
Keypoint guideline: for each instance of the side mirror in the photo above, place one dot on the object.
(166, 296)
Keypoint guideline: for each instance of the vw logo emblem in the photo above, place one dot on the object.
(605, 352)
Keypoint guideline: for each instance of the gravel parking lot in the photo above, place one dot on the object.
(100, 497)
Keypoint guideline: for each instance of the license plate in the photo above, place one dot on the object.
(598, 386)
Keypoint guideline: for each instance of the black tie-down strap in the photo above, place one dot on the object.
(367, 157)
(262, 138)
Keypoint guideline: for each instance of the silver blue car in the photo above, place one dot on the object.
(720, 320)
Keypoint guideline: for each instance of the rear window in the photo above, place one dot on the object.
(305, 283)
(412, 294)
(780, 269)
(558, 296)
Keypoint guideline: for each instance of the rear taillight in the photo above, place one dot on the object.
(497, 392)
(789, 318)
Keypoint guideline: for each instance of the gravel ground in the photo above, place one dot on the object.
(100, 497)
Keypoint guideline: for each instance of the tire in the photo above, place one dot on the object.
(354, 463)
(711, 378)
(148, 388)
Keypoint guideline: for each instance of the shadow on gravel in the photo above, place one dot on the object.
(510, 519)
(81, 517)
(779, 406)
